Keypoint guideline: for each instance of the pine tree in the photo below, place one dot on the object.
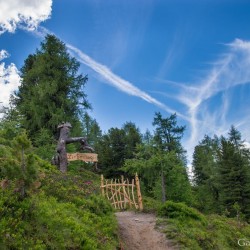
(168, 134)
(51, 90)
(132, 137)
(116, 146)
(234, 174)
(167, 138)
(91, 130)
(205, 170)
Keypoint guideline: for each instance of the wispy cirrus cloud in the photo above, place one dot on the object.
(110, 77)
(226, 74)
(117, 81)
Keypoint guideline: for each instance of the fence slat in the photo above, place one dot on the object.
(120, 192)
(137, 182)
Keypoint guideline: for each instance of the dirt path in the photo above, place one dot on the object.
(137, 232)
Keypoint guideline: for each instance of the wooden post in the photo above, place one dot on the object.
(115, 191)
(60, 159)
(136, 206)
(102, 185)
(129, 199)
(124, 193)
(137, 183)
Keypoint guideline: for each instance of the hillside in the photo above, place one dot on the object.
(66, 211)
(61, 211)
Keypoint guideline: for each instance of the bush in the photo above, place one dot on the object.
(171, 209)
(193, 230)
(65, 212)
(150, 205)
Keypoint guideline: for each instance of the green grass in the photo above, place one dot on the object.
(192, 230)
(65, 212)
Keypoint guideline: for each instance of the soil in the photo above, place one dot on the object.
(137, 231)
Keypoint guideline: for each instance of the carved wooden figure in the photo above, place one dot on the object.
(60, 159)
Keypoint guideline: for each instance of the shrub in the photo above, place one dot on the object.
(179, 210)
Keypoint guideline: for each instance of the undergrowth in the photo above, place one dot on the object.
(193, 230)
(64, 211)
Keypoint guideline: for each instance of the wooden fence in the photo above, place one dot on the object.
(121, 193)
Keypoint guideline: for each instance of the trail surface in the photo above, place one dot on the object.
(137, 232)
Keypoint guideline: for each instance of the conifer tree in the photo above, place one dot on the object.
(51, 91)
(117, 145)
(167, 133)
(205, 171)
(167, 138)
(234, 174)
(221, 170)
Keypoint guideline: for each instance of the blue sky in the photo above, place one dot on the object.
(191, 57)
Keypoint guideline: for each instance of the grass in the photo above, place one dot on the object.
(65, 211)
(193, 230)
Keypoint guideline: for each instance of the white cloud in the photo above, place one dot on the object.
(247, 144)
(115, 80)
(25, 12)
(229, 71)
(3, 54)
(9, 82)
(118, 82)
(111, 78)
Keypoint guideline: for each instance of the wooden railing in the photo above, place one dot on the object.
(121, 193)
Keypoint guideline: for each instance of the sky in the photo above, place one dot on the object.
(189, 57)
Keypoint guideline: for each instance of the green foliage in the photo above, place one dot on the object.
(41, 208)
(149, 165)
(91, 130)
(8, 131)
(116, 146)
(46, 144)
(51, 90)
(234, 178)
(168, 134)
(192, 230)
(180, 211)
(66, 212)
(222, 175)
(205, 170)
(151, 205)
(69, 226)
(18, 163)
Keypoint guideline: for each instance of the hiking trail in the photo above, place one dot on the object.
(137, 232)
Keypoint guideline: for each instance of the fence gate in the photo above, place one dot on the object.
(121, 193)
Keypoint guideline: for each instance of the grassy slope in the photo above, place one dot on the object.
(66, 211)
(193, 230)
(62, 211)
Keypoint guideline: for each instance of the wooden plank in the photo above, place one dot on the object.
(120, 184)
(112, 193)
(133, 196)
(102, 185)
(119, 196)
(87, 157)
(129, 199)
(137, 182)
(119, 192)
(123, 192)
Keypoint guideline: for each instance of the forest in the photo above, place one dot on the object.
(42, 208)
